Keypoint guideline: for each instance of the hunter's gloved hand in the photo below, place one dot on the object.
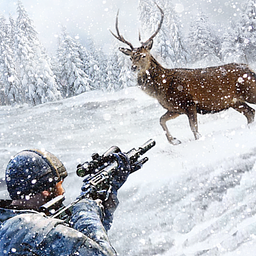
(120, 176)
(122, 171)
(109, 198)
(87, 190)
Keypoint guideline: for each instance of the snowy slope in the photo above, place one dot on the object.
(197, 198)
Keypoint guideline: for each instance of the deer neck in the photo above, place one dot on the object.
(151, 79)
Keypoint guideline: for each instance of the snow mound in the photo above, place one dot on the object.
(197, 198)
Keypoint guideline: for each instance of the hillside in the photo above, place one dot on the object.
(197, 198)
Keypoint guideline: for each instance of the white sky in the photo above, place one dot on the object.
(96, 17)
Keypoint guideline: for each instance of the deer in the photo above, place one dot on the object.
(190, 91)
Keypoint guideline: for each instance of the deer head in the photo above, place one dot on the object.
(140, 56)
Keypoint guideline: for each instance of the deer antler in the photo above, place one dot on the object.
(158, 29)
(118, 36)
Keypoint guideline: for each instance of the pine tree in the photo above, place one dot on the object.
(169, 41)
(231, 48)
(246, 30)
(9, 82)
(204, 41)
(73, 79)
(93, 61)
(100, 71)
(113, 71)
(87, 65)
(32, 65)
(126, 77)
(96, 66)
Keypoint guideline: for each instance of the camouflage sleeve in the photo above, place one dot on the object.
(109, 208)
(88, 219)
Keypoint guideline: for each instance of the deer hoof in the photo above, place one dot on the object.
(175, 141)
(252, 125)
(197, 136)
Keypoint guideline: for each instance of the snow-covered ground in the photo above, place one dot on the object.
(196, 198)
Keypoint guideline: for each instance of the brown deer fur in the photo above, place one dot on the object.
(192, 91)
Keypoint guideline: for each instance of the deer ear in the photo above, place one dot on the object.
(125, 51)
(149, 45)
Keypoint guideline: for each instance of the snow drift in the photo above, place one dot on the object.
(197, 198)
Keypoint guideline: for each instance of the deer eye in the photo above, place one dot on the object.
(143, 55)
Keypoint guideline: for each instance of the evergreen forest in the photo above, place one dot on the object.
(28, 74)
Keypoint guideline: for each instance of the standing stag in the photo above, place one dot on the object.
(191, 91)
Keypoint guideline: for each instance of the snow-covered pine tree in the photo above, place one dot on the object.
(127, 77)
(99, 71)
(246, 30)
(9, 82)
(204, 41)
(2, 37)
(94, 62)
(231, 48)
(73, 79)
(113, 71)
(49, 88)
(55, 66)
(87, 64)
(169, 42)
(32, 65)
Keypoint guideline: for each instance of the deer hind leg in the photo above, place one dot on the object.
(192, 117)
(168, 116)
(245, 110)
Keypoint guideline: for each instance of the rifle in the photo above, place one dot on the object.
(98, 173)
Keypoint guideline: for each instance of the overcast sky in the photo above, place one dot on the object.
(96, 17)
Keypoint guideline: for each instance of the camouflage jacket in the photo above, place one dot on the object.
(27, 232)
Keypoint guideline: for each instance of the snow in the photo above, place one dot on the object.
(196, 198)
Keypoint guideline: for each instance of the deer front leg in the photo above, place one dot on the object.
(167, 116)
(246, 110)
(192, 117)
